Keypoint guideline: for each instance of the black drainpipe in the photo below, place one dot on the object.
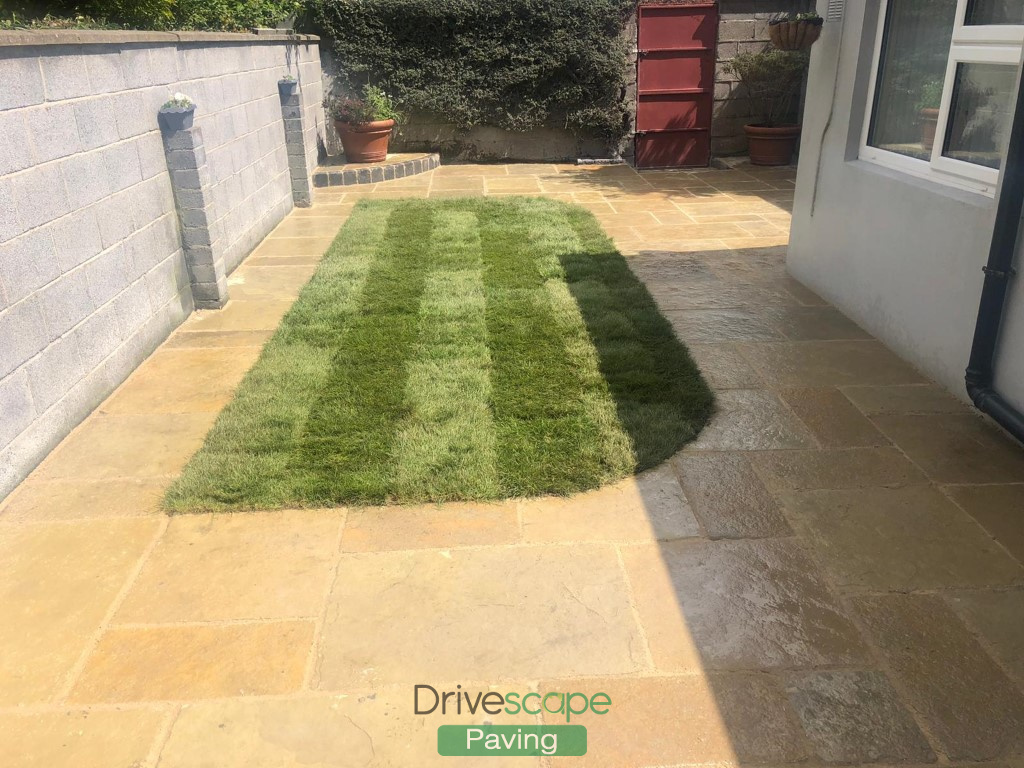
(998, 271)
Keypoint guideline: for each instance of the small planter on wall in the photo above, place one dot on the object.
(288, 86)
(177, 114)
(795, 34)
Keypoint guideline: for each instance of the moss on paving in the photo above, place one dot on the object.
(454, 350)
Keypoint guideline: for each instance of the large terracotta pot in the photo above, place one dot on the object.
(929, 120)
(794, 35)
(366, 142)
(771, 145)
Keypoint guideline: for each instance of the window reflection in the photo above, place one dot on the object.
(981, 12)
(979, 113)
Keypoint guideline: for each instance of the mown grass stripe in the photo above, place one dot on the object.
(346, 448)
(246, 459)
(446, 446)
(546, 442)
(661, 400)
(373, 389)
(554, 236)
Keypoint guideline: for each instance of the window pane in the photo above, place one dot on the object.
(979, 113)
(981, 12)
(915, 47)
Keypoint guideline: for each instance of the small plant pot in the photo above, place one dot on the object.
(771, 145)
(288, 87)
(176, 118)
(794, 35)
(929, 121)
(367, 142)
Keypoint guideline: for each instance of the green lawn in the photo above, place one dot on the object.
(454, 349)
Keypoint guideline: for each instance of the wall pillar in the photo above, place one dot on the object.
(190, 181)
(298, 164)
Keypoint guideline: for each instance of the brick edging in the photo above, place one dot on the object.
(351, 176)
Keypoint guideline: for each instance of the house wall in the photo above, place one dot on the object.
(902, 256)
(92, 276)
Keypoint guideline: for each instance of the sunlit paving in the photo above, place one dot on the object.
(407, 383)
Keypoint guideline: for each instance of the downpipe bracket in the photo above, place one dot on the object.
(999, 274)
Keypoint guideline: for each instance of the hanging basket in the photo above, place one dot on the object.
(794, 35)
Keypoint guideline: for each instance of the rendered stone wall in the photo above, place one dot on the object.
(92, 275)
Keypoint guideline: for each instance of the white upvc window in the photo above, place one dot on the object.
(942, 87)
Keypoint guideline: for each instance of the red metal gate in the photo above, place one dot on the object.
(675, 84)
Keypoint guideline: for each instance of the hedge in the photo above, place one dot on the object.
(230, 15)
(514, 64)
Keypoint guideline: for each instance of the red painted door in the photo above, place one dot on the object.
(675, 84)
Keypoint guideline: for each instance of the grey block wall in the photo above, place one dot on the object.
(92, 275)
(742, 28)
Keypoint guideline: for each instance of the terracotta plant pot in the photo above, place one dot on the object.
(771, 145)
(794, 35)
(366, 142)
(929, 120)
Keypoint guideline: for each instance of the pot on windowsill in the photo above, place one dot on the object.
(929, 121)
(794, 35)
(771, 144)
(365, 142)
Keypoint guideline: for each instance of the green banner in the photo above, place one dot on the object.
(511, 740)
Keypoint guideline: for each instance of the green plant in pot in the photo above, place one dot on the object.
(772, 80)
(364, 124)
(928, 101)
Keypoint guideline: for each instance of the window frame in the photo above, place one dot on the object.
(982, 44)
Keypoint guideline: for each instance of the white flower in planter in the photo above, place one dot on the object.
(179, 101)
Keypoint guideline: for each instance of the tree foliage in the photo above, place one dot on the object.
(229, 15)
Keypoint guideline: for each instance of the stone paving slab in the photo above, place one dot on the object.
(830, 574)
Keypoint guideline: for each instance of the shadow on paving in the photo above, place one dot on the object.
(772, 656)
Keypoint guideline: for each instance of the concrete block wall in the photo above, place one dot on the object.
(92, 275)
(742, 27)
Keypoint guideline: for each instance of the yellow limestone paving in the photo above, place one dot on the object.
(750, 601)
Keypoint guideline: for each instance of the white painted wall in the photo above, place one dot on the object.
(902, 256)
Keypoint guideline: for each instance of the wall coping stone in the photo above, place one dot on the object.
(30, 37)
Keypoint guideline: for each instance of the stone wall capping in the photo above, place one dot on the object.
(15, 38)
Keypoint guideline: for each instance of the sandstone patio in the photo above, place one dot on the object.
(833, 573)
